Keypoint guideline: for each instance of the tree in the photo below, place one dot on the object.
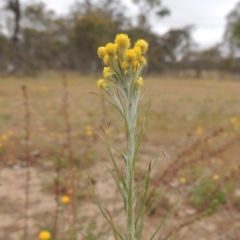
(149, 8)
(232, 31)
(14, 7)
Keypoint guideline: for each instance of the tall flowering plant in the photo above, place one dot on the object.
(122, 82)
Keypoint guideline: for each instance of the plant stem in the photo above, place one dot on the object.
(130, 132)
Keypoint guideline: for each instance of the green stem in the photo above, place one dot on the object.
(130, 131)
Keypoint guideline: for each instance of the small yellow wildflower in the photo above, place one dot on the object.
(139, 82)
(142, 44)
(102, 52)
(213, 160)
(209, 141)
(142, 60)
(89, 130)
(106, 60)
(130, 55)
(44, 235)
(52, 134)
(111, 49)
(215, 177)
(199, 130)
(237, 168)
(10, 133)
(102, 83)
(124, 65)
(137, 51)
(4, 137)
(41, 129)
(154, 116)
(183, 180)
(65, 199)
(107, 72)
(122, 41)
(107, 131)
(135, 64)
(233, 120)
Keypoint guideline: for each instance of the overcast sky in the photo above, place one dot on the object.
(208, 16)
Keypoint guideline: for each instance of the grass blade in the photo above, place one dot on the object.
(164, 220)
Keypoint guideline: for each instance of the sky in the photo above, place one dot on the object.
(208, 17)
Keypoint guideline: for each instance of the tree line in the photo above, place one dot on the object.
(34, 38)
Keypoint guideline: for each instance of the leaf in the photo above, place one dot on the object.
(149, 101)
(100, 208)
(122, 154)
(80, 233)
(163, 221)
(107, 101)
(117, 183)
(112, 224)
(113, 161)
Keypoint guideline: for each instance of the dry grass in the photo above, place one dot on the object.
(186, 113)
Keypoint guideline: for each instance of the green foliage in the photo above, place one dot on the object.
(207, 195)
(90, 231)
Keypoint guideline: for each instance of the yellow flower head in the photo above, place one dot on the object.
(139, 82)
(106, 60)
(138, 51)
(213, 160)
(107, 72)
(130, 55)
(125, 65)
(102, 83)
(215, 177)
(142, 44)
(10, 133)
(122, 41)
(142, 60)
(135, 64)
(183, 180)
(233, 120)
(44, 235)
(111, 49)
(89, 130)
(4, 137)
(65, 199)
(199, 130)
(102, 52)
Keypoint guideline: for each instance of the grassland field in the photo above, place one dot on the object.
(194, 123)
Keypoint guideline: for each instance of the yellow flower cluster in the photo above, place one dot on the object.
(89, 130)
(44, 235)
(65, 199)
(120, 58)
(139, 82)
(199, 130)
(102, 83)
